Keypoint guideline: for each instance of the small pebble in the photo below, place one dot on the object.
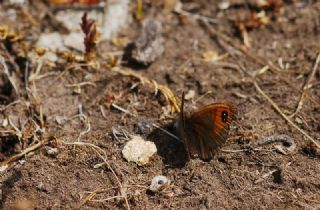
(143, 125)
(158, 183)
(190, 95)
(224, 5)
(150, 44)
(5, 122)
(60, 119)
(53, 152)
(21, 162)
(41, 187)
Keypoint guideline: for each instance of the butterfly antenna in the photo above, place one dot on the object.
(181, 106)
(182, 101)
(182, 119)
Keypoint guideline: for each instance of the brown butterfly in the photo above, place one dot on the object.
(205, 130)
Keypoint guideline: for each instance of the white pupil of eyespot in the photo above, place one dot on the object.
(224, 116)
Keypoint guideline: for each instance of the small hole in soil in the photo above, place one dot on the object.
(22, 62)
(187, 188)
(9, 145)
(286, 144)
(311, 151)
(6, 90)
(149, 192)
(277, 177)
(160, 182)
(222, 160)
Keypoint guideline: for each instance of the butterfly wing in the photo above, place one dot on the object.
(206, 130)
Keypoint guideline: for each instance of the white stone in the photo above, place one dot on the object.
(51, 41)
(190, 95)
(74, 40)
(116, 18)
(52, 151)
(224, 5)
(158, 183)
(138, 150)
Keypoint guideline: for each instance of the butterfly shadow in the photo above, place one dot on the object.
(170, 149)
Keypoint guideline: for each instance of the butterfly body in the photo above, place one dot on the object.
(205, 130)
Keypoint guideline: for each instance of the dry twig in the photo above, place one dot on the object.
(21, 154)
(306, 86)
(24, 152)
(276, 107)
(2, 108)
(77, 86)
(172, 100)
(123, 110)
(178, 9)
(87, 198)
(139, 10)
(266, 175)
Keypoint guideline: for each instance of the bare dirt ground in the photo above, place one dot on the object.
(237, 178)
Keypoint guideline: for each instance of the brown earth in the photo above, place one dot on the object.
(249, 179)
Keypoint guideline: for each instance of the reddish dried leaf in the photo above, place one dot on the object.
(91, 38)
(109, 98)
